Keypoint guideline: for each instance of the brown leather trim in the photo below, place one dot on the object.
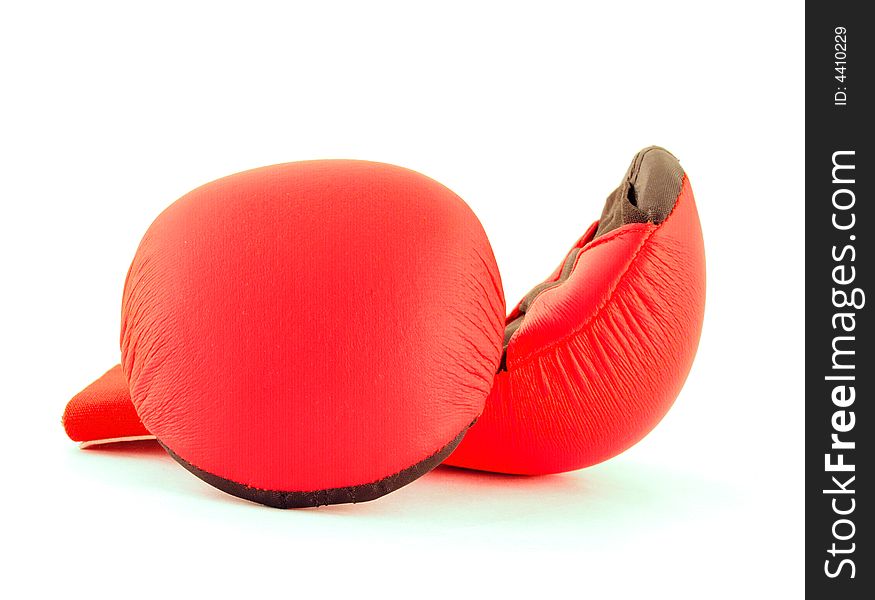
(647, 194)
(341, 495)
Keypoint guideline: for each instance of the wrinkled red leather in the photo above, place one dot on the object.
(600, 358)
(312, 325)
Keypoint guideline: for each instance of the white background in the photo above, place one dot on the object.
(529, 111)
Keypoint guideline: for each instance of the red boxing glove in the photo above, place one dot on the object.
(595, 356)
(303, 334)
(326, 331)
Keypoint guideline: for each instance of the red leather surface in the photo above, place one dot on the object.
(103, 410)
(312, 325)
(600, 358)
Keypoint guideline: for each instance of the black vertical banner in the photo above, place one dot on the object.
(839, 367)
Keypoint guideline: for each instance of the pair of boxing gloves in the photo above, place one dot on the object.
(328, 331)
